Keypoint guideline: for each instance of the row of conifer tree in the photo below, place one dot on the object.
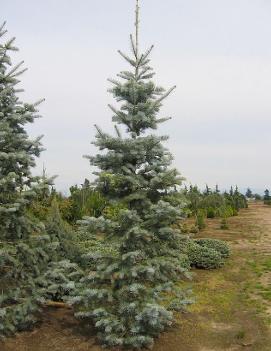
(118, 266)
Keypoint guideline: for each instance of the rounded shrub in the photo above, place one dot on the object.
(203, 256)
(211, 212)
(184, 229)
(219, 245)
(226, 211)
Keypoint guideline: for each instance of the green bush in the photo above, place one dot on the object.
(184, 228)
(203, 256)
(112, 211)
(212, 201)
(200, 219)
(194, 230)
(211, 212)
(85, 201)
(226, 211)
(221, 246)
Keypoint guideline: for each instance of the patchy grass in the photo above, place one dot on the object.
(231, 309)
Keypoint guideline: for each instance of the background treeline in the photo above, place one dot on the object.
(213, 203)
(86, 200)
(265, 197)
(66, 214)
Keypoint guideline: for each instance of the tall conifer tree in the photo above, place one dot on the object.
(123, 295)
(27, 254)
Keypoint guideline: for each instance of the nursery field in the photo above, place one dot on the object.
(232, 310)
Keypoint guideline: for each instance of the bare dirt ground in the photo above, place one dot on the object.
(232, 310)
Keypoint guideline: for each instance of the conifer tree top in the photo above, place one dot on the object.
(137, 24)
(142, 98)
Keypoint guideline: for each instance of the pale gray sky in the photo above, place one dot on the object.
(217, 52)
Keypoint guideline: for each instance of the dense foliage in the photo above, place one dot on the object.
(215, 244)
(204, 257)
(87, 200)
(212, 203)
(123, 293)
(27, 252)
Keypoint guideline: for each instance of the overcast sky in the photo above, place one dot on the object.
(217, 52)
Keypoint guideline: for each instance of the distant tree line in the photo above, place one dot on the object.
(265, 197)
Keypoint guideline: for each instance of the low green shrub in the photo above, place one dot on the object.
(226, 211)
(185, 228)
(221, 246)
(203, 256)
(112, 211)
(200, 219)
(211, 212)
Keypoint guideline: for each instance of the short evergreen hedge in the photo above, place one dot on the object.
(203, 257)
(215, 244)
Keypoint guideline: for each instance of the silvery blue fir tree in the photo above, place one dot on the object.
(124, 293)
(26, 252)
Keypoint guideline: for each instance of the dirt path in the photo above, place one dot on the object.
(233, 305)
(232, 311)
